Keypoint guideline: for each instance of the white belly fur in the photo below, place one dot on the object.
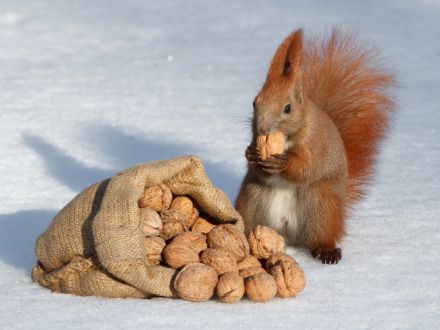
(282, 206)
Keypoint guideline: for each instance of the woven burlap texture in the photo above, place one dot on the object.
(94, 245)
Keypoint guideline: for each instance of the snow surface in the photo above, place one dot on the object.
(90, 87)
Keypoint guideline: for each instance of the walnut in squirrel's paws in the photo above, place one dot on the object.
(271, 144)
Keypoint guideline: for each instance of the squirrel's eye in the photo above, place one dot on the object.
(253, 104)
(287, 109)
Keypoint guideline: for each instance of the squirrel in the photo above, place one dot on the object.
(331, 99)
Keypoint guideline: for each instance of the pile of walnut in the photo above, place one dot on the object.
(213, 258)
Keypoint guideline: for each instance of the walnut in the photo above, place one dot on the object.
(260, 287)
(195, 282)
(265, 241)
(229, 238)
(157, 197)
(187, 208)
(289, 277)
(230, 287)
(173, 223)
(153, 249)
(219, 259)
(196, 240)
(202, 225)
(249, 261)
(151, 222)
(177, 255)
(246, 272)
(271, 144)
(276, 257)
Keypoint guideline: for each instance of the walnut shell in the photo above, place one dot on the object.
(219, 259)
(202, 225)
(195, 282)
(276, 257)
(151, 222)
(250, 271)
(173, 223)
(248, 262)
(271, 144)
(177, 255)
(196, 240)
(265, 241)
(153, 249)
(229, 238)
(187, 208)
(289, 277)
(230, 287)
(260, 287)
(157, 197)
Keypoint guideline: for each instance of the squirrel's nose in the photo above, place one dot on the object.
(263, 126)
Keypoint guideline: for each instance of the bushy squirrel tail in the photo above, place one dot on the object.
(346, 80)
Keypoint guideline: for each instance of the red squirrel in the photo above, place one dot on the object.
(331, 99)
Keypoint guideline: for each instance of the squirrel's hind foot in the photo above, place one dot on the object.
(327, 256)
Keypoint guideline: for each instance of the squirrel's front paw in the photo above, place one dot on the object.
(252, 154)
(275, 164)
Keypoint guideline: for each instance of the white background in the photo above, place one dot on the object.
(90, 87)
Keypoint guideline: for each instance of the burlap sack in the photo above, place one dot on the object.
(94, 245)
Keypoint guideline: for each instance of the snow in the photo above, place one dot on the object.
(90, 87)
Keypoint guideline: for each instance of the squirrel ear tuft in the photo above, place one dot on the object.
(287, 57)
(294, 54)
